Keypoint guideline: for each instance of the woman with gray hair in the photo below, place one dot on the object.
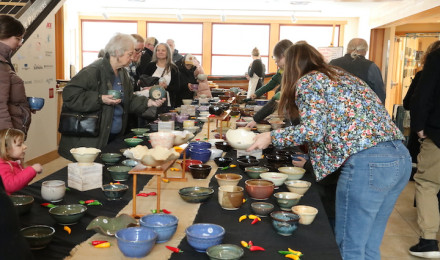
(88, 92)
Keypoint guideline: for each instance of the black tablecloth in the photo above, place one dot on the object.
(315, 241)
(62, 242)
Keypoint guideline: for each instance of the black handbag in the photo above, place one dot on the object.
(79, 124)
(148, 81)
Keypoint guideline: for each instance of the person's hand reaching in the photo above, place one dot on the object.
(299, 162)
(251, 124)
(156, 103)
(261, 141)
(37, 167)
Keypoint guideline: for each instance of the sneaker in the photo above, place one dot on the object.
(426, 248)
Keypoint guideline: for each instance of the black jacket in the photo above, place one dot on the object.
(186, 76)
(146, 57)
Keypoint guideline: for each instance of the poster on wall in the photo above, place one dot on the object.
(331, 53)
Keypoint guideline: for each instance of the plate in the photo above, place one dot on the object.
(157, 92)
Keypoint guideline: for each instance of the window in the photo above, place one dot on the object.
(315, 35)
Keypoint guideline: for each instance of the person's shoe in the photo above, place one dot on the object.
(426, 248)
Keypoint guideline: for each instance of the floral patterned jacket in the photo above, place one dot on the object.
(337, 119)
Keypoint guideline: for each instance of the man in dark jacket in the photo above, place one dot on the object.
(355, 63)
(147, 54)
(425, 120)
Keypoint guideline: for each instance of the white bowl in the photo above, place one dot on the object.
(262, 128)
(181, 137)
(187, 101)
(85, 155)
(215, 153)
(294, 173)
(164, 139)
(298, 186)
(192, 129)
(307, 214)
(240, 138)
(53, 190)
(275, 177)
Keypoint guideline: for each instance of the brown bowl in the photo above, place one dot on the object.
(200, 171)
(259, 189)
(189, 162)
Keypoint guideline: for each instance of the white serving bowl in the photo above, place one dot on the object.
(240, 138)
(275, 177)
(85, 155)
(307, 213)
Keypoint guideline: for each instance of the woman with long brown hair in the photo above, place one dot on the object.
(345, 126)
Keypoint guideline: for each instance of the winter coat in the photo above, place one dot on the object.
(204, 88)
(14, 177)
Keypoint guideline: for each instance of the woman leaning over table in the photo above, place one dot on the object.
(87, 92)
(345, 126)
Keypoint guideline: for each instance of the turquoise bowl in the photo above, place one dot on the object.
(22, 203)
(225, 252)
(285, 223)
(119, 172)
(196, 194)
(139, 131)
(68, 214)
(254, 171)
(132, 142)
(130, 162)
(111, 158)
(38, 236)
(114, 191)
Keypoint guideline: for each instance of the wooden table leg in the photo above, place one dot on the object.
(158, 194)
(134, 195)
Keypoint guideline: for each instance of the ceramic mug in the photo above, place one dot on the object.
(53, 190)
(115, 93)
(230, 197)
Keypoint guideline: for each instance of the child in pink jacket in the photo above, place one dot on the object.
(12, 151)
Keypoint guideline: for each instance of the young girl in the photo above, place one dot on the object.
(12, 151)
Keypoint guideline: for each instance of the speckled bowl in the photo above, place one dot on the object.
(196, 194)
(114, 191)
(132, 142)
(262, 209)
(225, 252)
(285, 223)
(68, 214)
(111, 158)
(119, 172)
(22, 203)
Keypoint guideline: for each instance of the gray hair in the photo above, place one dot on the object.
(119, 44)
(357, 47)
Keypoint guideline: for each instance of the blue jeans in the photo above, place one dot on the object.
(368, 187)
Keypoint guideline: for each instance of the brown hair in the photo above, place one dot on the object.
(432, 47)
(255, 52)
(281, 47)
(301, 58)
(7, 137)
(9, 26)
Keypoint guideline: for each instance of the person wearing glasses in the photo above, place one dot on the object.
(135, 61)
(14, 107)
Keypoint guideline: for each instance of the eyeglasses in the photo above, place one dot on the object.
(137, 50)
(20, 39)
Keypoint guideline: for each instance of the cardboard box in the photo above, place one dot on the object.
(84, 177)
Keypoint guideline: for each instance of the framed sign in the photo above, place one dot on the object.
(331, 53)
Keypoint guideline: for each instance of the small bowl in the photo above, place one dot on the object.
(286, 200)
(68, 214)
(298, 186)
(285, 223)
(307, 214)
(275, 177)
(223, 161)
(225, 252)
(259, 189)
(109, 226)
(85, 155)
(231, 179)
(139, 131)
(119, 172)
(240, 138)
(223, 146)
(243, 163)
(22, 203)
(111, 158)
(38, 236)
(263, 128)
(196, 194)
(192, 129)
(200, 171)
(262, 209)
(35, 103)
(241, 124)
(130, 162)
(165, 225)
(293, 173)
(254, 171)
(190, 162)
(114, 191)
(136, 241)
(132, 142)
(201, 236)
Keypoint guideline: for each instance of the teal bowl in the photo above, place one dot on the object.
(111, 158)
(132, 142)
(68, 214)
(139, 131)
(254, 171)
(225, 252)
(130, 162)
(38, 236)
(114, 191)
(119, 172)
(22, 203)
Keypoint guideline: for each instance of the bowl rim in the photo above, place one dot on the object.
(299, 196)
(38, 226)
(191, 234)
(258, 180)
(123, 186)
(263, 203)
(239, 250)
(138, 241)
(83, 209)
(239, 176)
(285, 213)
(174, 221)
(303, 171)
(248, 170)
(208, 189)
(305, 213)
(287, 182)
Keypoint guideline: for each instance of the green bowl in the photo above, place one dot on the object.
(109, 226)
(196, 194)
(225, 252)
(114, 191)
(38, 236)
(139, 131)
(132, 142)
(254, 171)
(111, 158)
(68, 214)
(119, 172)
(22, 203)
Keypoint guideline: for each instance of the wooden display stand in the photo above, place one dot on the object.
(220, 118)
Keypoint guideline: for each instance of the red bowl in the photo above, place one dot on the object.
(259, 189)
(190, 162)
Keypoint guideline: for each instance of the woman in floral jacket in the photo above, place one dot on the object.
(345, 126)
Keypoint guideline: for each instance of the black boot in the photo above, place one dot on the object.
(426, 248)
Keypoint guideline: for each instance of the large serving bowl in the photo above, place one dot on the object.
(293, 173)
(22, 203)
(223, 161)
(240, 138)
(158, 156)
(262, 209)
(286, 200)
(139, 131)
(181, 137)
(53, 190)
(259, 189)
(68, 214)
(111, 158)
(109, 226)
(38, 236)
(136, 241)
(164, 139)
(119, 172)
(244, 163)
(196, 194)
(275, 177)
(85, 155)
(298, 186)
(254, 171)
(190, 162)
(165, 225)
(225, 252)
(114, 191)
(224, 179)
(132, 142)
(35, 103)
(200, 171)
(201, 236)
(285, 223)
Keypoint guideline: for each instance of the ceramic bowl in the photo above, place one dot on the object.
(285, 223)
(200, 154)
(277, 161)
(201, 236)
(213, 141)
(243, 163)
(38, 236)
(119, 172)
(109, 226)
(286, 200)
(215, 153)
(275, 177)
(215, 110)
(259, 189)
(165, 117)
(165, 225)
(187, 101)
(231, 179)
(262, 209)
(241, 157)
(298, 186)
(225, 252)
(53, 190)
(200, 145)
(293, 173)
(22, 203)
(241, 124)
(132, 142)
(192, 129)
(190, 162)
(136, 241)
(68, 214)
(130, 162)
(114, 191)
(224, 146)
(223, 161)
(200, 171)
(35, 103)
(164, 139)
(263, 128)
(181, 137)
(230, 197)
(196, 194)
(139, 131)
(307, 213)
(240, 138)
(111, 158)
(254, 171)
(85, 155)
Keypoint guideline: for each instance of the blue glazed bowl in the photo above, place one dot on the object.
(164, 225)
(136, 241)
(200, 154)
(35, 103)
(200, 145)
(284, 222)
(204, 235)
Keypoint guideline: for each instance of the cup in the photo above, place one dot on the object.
(115, 93)
(53, 190)
(188, 123)
(230, 197)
